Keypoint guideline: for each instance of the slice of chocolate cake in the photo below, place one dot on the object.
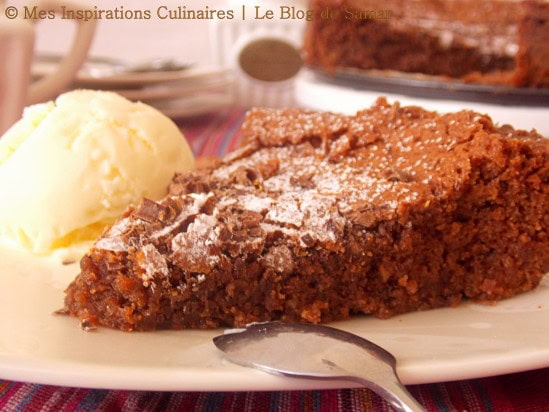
(320, 216)
(494, 41)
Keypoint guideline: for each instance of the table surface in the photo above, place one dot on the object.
(215, 134)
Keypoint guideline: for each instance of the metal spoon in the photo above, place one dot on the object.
(317, 352)
(106, 67)
(146, 66)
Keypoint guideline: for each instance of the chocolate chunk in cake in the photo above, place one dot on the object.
(319, 217)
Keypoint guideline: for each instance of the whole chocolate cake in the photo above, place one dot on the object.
(319, 216)
(496, 41)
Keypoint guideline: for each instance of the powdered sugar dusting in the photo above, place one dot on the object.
(255, 203)
(306, 183)
(112, 240)
(285, 212)
(198, 201)
(153, 264)
(193, 248)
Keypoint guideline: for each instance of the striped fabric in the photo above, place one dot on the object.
(214, 135)
(524, 392)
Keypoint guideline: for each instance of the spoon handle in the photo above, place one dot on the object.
(396, 394)
(402, 400)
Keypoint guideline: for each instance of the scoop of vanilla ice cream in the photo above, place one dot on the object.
(70, 167)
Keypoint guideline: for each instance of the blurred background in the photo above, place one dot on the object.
(136, 39)
(213, 74)
(195, 61)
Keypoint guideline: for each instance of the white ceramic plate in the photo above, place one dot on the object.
(178, 89)
(180, 101)
(434, 87)
(194, 105)
(439, 345)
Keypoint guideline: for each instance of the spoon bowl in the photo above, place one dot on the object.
(317, 352)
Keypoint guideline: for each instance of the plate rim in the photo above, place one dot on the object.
(432, 87)
(82, 368)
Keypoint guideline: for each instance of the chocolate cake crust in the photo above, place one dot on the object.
(319, 217)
